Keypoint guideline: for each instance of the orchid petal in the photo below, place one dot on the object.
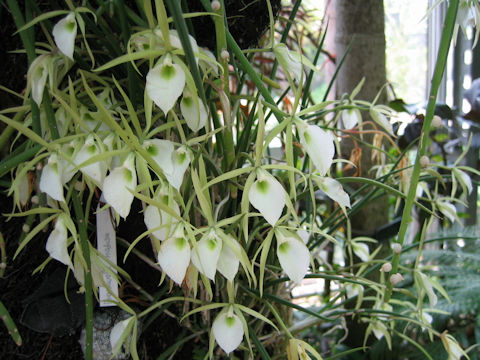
(57, 245)
(117, 331)
(195, 116)
(361, 250)
(156, 218)
(350, 118)
(165, 83)
(319, 146)
(464, 180)
(161, 151)
(228, 331)
(174, 258)
(381, 120)
(428, 287)
(228, 261)
(268, 196)
(334, 190)
(180, 161)
(51, 179)
(64, 33)
(95, 171)
(289, 61)
(447, 209)
(293, 256)
(206, 254)
(117, 184)
(37, 76)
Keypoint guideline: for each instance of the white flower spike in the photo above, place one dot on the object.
(267, 196)
(64, 33)
(228, 331)
(195, 116)
(57, 243)
(174, 257)
(318, 144)
(117, 184)
(165, 83)
(51, 179)
(205, 256)
(293, 255)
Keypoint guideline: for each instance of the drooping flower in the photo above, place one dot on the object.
(64, 33)
(174, 257)
(228, 331)
(165, 83)
(205, 255)
(318, 144)
(292, 254)
(447, 209)
(379, 117)
(193, 111)
(361, 250)
(351, 117)
(57, 245)
(334, 190)
(455, 352)
(95, 171)
(51, 178)
(463, 179)
(37, 76)
(289, 61)
(158, 219)
(117, 184)
(118, 330)
(268, 196)
(228, 261)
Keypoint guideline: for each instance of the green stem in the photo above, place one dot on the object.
(422, 147)
(52, 123)
(3, 256)
(85, 245)
(10, 162)
(10, 324)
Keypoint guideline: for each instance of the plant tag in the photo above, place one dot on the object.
(106, 245)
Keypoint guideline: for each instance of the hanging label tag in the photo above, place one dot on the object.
(106, 245)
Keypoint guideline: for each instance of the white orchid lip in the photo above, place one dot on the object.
(268, 196)
(195, 116)
(351, 117)
(162, 224)
(64, 33)
(228, 331)
(174, 258)
(57, 243)
(95, 171)
(292, 254)
(51, 178)
(228, 261)
(206, 254)
(37, 76)
(333, 189)
(165, 83)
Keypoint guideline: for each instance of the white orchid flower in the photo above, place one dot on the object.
(334, 190)
(228, 331)
(447, 209)
(117, 184)
(379, 117)
(268, 196)
(96, 171)
(195, 116)
(165, 83)
(51, 178)
(174, 257)
(351, 117)
(118, 330)
(205, 255)
(463, 179)
(228, 261)
(353, 290)
(426, 283)
(158, 219)
(175, 42)
(455, 352)
(64, 33)
(289, 61)
(292, 254)
(37, 76)
(180, 161)
(361, 250)
(318, 144)
(57, 242)
(68, 167)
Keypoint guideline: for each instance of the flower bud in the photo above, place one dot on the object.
(437, 122)
(35, 200)
(26, 228)
(39, 166)
(225, 55)
(396, 278)
(397, 248)
(424, 161)
(215, 5)
(387, 267)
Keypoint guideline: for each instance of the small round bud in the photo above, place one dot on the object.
(39, 166)
(387, 267)
(35, 200)
(424, 161)
(396, 278)
(26, 228)
(215, 5)
(3, 266)
(79, 186)
(225, 55)
(437, 121)
(397, 248)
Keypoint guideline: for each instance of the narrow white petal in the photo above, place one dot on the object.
(464, 179)
(205, 256)
(228, 261)
(64, 33)
(228, 331)
(294, 257)
(381, 120)
(174, 258)
(117, 332)
(165, 83)
(268, 196)
(195, 116)
(350, 118)
(334, 190)
(116, 185)
(57, 243)
(51, 179)
(319, 146)
(428, 287)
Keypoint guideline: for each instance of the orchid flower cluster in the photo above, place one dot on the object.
(212, 207)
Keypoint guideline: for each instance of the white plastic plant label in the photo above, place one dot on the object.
(106, 245)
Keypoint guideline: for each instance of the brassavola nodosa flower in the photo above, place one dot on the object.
(351, 117)
(447, 209)
(228, 331)
(37, 76)
(57, 242)
(228, 261)
(64, 33)
(378, 115)
(361, 250)
(118, 330)
(174, 255)
(292, 254)
(118, 185)
(162, 224)
(165, 83)
(318, 144)
(455, 352)
(206, 254)
(96, 171)
(193, 111)
(51, 178)
(334, 190)
(463, 179)
(289, 61)
(268, 196)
